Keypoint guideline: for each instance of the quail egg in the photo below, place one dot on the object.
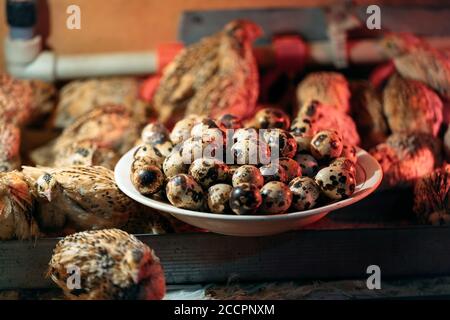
(335, 182)
(182, 129)
(207, 171)
(305, 193)
(268, 118)
(195, 148)
(276, 198)
(229, 121)
(174, 163)
(349, 152)
(155, 133)
(184, 192)
(245, 199)
(247, 174)
(147, 179)
(302, 125)
(291, 167)
(308, 164)
(280, 141)
(250, 152)
(149, 154)
(219, 198)
(273, 172)
(198, 128)
(245, 134)
(208, 131)
(164, 148)
(326, 144)
(344, 164)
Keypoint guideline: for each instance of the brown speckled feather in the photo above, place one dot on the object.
(216, 75)
(16, 208)
(112, 126)
(21, 101)
(329, 88)
(416, 59)
(112, 265)
(85, 198)
(411, 107)
(81, 96)
(9, 147)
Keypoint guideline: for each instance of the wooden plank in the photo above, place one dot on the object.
(311, 23)
(305, 254)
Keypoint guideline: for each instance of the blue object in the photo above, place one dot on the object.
(21, 17)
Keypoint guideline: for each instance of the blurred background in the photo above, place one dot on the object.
(131, 25)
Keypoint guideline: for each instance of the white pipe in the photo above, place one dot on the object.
(90, 65)
(24, 59)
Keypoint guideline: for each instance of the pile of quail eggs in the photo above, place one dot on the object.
(224, 174)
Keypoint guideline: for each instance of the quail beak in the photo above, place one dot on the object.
(48, 195)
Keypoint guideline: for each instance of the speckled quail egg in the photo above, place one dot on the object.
(302, 125)
(291, 167)
(247, 174)
(147, 179)
(326, 144)
(229, 121)
(276, 198)
(308, 164)
(184, 192)
(250, 152)
(182, 129)
(305, 193)
(174, 163)
(273, 172)
(207, 171)
(157, 135)
(206, 123)
(219, 198)
(344, 164)
(245, 199)
(195, 148)
(349, 152)
(268, 118)
(164, 148)
(149, 154)
(281, 142)
(245, 134)
(208, 131)
(335, 182)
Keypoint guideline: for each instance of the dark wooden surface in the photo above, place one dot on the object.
(340, 246)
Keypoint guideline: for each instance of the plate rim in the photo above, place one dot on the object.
(125, 162)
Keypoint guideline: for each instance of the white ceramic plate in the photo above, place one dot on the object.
(368, 177)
